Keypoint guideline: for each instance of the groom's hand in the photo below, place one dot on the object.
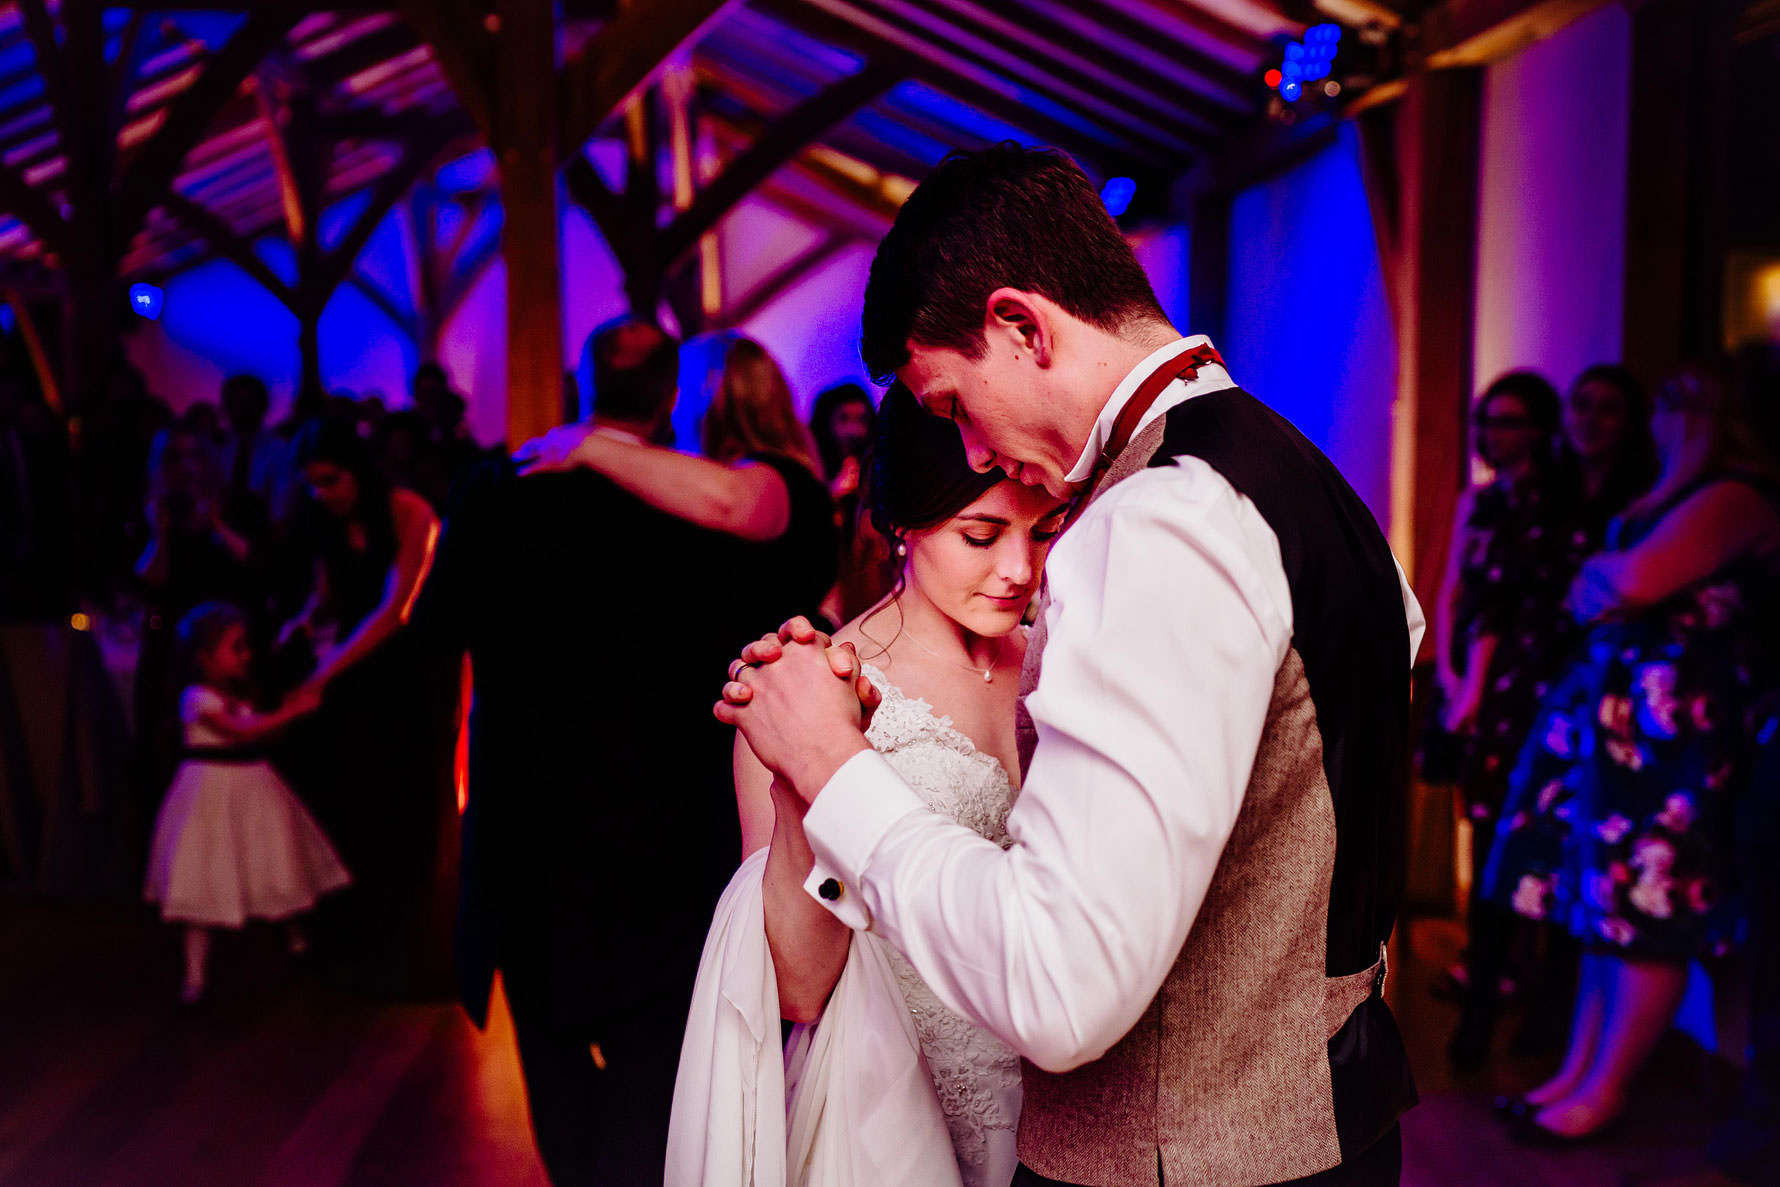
(799, 719)
(843, 660)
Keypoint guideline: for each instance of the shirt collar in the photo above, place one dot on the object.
(1211, 378)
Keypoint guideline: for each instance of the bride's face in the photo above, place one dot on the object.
(981, 567)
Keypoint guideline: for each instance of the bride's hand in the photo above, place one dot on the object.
(559, 449)
(843, 661)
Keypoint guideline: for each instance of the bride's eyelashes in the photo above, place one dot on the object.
(980, 541)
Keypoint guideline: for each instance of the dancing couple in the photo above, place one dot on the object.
(1102, 901)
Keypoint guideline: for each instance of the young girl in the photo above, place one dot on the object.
(232, 842)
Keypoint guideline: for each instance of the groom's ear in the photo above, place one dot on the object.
(1022, 321)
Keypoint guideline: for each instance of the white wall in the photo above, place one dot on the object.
(1551, 206)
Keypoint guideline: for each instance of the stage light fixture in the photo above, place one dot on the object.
(1117, 194)
(146, 300)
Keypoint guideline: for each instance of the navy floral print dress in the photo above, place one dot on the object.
(1521, 548)
(1619, 819)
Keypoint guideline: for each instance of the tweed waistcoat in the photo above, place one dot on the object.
(1268, 1053)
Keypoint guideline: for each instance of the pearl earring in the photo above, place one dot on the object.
(902, 550)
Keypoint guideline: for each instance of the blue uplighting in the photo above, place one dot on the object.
(1117, 194)
(146, 300)
(1307, 60)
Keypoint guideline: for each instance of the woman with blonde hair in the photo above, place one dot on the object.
(756, 481)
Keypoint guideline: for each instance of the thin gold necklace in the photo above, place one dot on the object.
(988, 673)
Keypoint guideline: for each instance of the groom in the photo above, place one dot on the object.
(1186, 938)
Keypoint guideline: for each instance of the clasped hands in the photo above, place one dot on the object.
(802, 702)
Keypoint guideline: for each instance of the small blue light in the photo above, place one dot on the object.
(1117, 194)
(146, 300)
(1290, 90)
(1294, 52)
(1292, 71)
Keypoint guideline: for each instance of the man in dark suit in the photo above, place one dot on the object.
(584, 791)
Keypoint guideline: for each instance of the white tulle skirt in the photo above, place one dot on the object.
(233, 843)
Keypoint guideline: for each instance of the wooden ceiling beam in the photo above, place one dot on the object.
(33, 209)
(148, 175)
(962, 80)
(457, 33)
(781, 141)
(1053, 48)
(416, 161)
(232, 246)
(1476, 32)
(772, 286)
(621, 59)
(1116, 32)
(1098, 98)
(373, 292)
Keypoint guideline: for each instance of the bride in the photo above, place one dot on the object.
(882, 1084)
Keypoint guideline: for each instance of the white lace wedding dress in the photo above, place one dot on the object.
(976, 1075)
(889, 1088)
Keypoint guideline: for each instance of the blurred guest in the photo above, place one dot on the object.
(1502, 633)
(256, 462)
(842, 423)
(379, 770)
(112, 450)
(542, 581)
(448, 449)
(757, 481)
(34, 534)
(1607, 442)
(193, 556)
(1619, 825)
(372, 412)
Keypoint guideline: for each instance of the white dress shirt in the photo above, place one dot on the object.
(1169, 615)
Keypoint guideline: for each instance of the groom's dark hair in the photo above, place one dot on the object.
(1024, 218)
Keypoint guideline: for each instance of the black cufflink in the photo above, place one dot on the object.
(830, 890)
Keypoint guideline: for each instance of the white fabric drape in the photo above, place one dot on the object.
(847, 1101)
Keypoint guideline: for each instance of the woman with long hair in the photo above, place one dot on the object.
(1501, 636)
(1619, 823)
(943, 650)
(377, 763)
(757, 480)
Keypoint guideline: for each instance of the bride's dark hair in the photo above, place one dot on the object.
(918, 475)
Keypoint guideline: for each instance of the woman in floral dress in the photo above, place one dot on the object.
(1503, 637)
(1618, 821)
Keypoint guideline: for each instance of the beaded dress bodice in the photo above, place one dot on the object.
(975, 1074)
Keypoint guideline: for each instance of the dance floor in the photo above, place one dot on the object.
(281, 1080)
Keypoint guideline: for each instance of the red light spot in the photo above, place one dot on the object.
(1271, 78)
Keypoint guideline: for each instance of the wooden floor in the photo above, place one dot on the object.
(281, 1081)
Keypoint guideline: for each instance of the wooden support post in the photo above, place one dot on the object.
(1421, 159)
(1675, 181)
(525, 145)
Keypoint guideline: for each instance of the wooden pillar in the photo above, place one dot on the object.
(1434, 140)
(525, 138)
(1674, 253)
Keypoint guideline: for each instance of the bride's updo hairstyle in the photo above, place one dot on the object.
(918, 476)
